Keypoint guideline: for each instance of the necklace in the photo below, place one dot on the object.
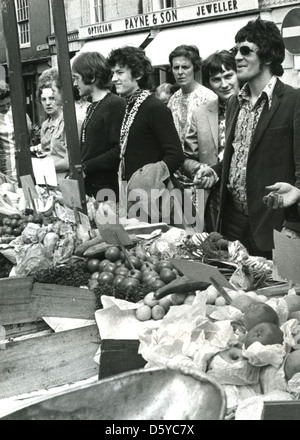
(89, 114)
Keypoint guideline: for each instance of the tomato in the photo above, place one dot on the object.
(146, 266)
(93, 265)
(6, 221)
(112, 253)
(110, 267)
(154, 259)
(118, 263)
(105, 278)
(118, 280)
(95, 275)
(122, 270)
(122, 255)
(14, 223)
(135, 261)
(157, 283)
(8, 230)
(149, 281)
(102, 264)
(135, 274)
(131, 283)
(167, 275)
(149, 274)
(162, 264)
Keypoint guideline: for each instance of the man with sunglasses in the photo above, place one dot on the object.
(262, 141)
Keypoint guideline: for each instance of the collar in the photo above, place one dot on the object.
(267, 92)
(133, 97)
(222, 105)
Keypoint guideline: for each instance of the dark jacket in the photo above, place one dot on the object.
(274, 156)
(100, 154)
(152, 138)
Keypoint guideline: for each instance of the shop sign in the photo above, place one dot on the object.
(168, 16)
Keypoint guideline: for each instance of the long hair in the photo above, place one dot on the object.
(4, 90)
(266, 35)
(93, 67)
(188, 51)
(135, 59)
(215, 64)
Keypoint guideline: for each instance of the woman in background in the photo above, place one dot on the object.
(53, 137)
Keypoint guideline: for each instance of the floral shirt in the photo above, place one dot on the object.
(246, 124)
(183, 104)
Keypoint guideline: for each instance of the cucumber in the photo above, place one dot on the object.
(180, 285)
(80, 249)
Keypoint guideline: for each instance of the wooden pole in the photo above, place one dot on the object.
(59, 20)
(17, 91)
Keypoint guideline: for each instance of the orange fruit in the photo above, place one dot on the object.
(158, 312)
(143, 313)
(149, 300)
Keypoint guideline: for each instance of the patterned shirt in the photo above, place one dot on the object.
(183, 104)
(7, 144)
(221, 133)
(246, 124)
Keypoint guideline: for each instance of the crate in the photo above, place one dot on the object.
(118, 356)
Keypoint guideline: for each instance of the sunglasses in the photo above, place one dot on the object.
(244, 50)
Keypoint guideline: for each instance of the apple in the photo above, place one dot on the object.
(259, 312)
(267, 333)
(232, 355)
(292, 364)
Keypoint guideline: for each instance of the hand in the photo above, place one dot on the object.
(204, 178)
(282, 195)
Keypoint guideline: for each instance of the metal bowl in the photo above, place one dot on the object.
(143, 394)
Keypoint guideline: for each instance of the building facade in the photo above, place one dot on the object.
(157, 26)
(33, 26)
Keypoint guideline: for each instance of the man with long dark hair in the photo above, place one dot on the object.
(100, 132)
(150, 147)
(262, 141)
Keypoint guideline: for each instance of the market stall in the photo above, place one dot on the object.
(81, 302)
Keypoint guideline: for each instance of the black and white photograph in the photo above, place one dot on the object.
(149, 213)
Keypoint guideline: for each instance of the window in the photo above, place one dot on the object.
(162, 4)
(22, 13)
(97, 11)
